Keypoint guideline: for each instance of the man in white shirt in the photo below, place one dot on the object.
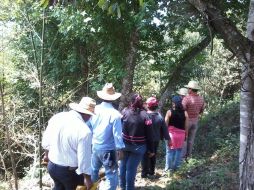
(67, 142)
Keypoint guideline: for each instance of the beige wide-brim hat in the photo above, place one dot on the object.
(86, 105)
(193, 85)
(182, 91)
(108, 93)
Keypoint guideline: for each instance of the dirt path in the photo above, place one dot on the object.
(158, 181)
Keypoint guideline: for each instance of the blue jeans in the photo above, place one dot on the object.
(174, 158)
(107, 159)
(64, 177)
(128, 166)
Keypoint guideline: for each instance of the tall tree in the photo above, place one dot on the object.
(247, 110)
(130, 63)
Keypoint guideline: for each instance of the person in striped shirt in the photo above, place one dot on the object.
(194, 104)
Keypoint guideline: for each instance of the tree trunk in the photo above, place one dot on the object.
(41, 109)
(175, 76)
(246, 156)
(82, 52)
(130, 63)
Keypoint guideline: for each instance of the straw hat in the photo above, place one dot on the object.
(193, 85)
(108, 93)
(86, 105)
(182, 91)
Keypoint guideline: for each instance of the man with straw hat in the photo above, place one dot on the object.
(194, 105)
(67, 142)
(107, 137)
(182, 92)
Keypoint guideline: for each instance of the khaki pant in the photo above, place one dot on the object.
(188, 145)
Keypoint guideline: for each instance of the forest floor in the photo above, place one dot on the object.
(158, 181)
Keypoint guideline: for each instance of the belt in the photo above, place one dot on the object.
(67, 167)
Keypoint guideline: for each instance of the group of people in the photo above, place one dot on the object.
(80, 142)
(182, 122)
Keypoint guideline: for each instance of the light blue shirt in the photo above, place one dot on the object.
(107, 128)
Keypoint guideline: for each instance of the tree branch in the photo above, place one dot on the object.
(223, 26)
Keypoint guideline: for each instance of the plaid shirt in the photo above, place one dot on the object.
(194, 105)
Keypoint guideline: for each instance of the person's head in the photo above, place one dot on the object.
(85, 107)
(152, 103)
(108, 93)
(136, 101)
(193, 86)
(177, 103)
(182, 92)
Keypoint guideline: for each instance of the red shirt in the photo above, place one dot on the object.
(194, 105)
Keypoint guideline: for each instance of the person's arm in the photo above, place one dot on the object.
(117, 133)
(167, 117)
(84, 155)
(186, 124)
(185, 102)
(149, 133)
(45, 158)
(202, 108)
(46, 141)
(164, 130)
(87, 181)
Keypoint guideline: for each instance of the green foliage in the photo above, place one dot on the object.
(218, 127)
(215, 162)
(86, 44)
(220, 73)
(44, 3)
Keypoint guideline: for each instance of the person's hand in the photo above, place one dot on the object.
(45, 159)
(119, 155)
(88, 182)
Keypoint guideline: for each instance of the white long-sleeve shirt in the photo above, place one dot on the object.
(68, 140)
